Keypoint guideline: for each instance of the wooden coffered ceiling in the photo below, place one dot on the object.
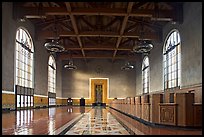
(99, 29)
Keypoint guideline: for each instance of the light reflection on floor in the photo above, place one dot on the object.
(97, 122)
(39, 121)
(61, 120)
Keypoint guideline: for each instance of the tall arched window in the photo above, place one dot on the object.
(24, 69)
(51, 80)
(172, 60)
(145, 75)
(51, 74)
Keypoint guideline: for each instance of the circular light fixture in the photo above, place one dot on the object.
(127, 66)
(70, 65)
(54, 46)
(142, 47)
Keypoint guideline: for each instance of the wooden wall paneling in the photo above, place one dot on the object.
(168, 113)
(138, 107)
(145, 108)
(197, 114)
(155, 99)
(185, 108)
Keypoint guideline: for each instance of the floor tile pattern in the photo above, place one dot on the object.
(97, 122)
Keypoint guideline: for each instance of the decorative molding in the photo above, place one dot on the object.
(168, 114)
(146, 111)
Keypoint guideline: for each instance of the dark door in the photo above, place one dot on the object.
(98, 93)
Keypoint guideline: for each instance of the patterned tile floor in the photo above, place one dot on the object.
(97, 122)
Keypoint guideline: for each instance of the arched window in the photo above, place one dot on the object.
(172, 60)
(51, 80)
(24, 68)
(145, 75)
(51, 74)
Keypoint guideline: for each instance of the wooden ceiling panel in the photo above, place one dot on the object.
(99, 29)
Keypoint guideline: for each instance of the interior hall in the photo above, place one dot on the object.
(101, 68)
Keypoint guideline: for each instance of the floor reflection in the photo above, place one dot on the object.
(39, 121)
(95, 121)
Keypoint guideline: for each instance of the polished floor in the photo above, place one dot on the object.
(75, 120)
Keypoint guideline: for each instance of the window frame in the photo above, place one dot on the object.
(51, 74)
(145, 75)
(24, 69)
(172, 60)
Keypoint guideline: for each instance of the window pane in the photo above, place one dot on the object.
(18, 100)
(28, 101)
(22, 101)
(31, 100)
(145, 74)
(25, 97)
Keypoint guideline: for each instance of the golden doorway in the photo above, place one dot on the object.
(99, 88)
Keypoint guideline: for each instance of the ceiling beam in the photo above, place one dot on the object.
(87, 23)
(65, 26)
(129, 8)
(95, 56)
(138, 5)
(91, 48)
(150, 24)
(111, 22)
(72, 41)
(97, 47)
(165, 15)
(131, 28)
(74, 24)
(50, 34)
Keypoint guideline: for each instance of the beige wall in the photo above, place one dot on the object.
(191, 53)
(75, 83)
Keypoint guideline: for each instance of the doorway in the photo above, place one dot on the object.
(99, 91)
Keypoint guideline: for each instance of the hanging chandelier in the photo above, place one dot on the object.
(70, 65)
(127, 66)
(142, 46)
(54, 46)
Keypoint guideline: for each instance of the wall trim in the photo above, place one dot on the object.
(191, 86)
(61, 98)
(40, 95)
(120, 98)
(8, 92)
